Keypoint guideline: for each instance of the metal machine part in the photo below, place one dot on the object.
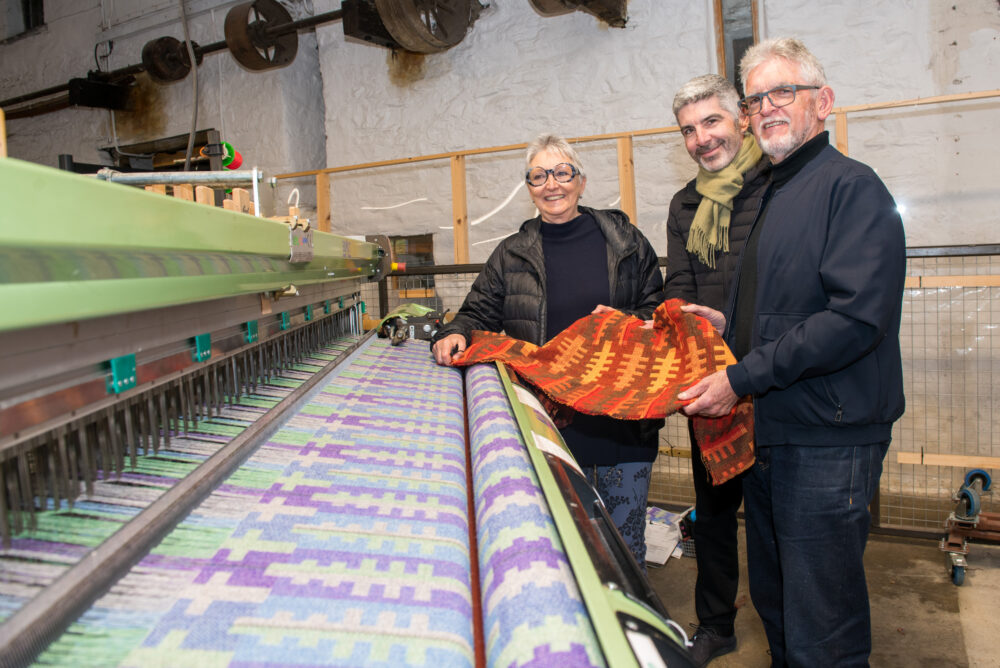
(612, 12)
(252, 40)
(427, 26)
(166, 59)
(967, 521)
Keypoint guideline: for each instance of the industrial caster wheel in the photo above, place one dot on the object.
(248, 35)
(426, 26)
(958, 575)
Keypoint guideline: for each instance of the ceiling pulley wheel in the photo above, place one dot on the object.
(166, 59)
(251, 37)
(426, 26)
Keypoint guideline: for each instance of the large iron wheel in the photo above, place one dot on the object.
(426, 26)
(247, 35)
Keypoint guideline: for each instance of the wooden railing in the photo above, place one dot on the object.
(626, 167)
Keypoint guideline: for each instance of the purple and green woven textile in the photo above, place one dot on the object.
(342, 542)
(533, 614)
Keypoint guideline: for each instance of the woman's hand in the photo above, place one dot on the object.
(447, 348)
(716, 318)
(601, 308)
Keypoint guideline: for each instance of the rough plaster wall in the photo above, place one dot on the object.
(939, 161)
(273, 118)
(516, 74)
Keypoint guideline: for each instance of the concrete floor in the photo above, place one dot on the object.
(919, 618)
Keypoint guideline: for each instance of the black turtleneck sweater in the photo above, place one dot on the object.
(576, 271)
(744, 310)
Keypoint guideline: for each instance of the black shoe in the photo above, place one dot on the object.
(708, 644)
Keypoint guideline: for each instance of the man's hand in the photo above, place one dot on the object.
(717, 318)
(713, 396)
(447, 347)
(601, 308)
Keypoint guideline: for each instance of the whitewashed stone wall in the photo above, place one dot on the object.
(516, 74)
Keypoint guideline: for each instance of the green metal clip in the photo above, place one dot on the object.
(251, 333)
(202, 348)
(364, 307)
(340, 304)
(284, 320)
(309, 312)
(122, 374)
(326, 307)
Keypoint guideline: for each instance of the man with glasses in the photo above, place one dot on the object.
(708, 222)
(565, 263)
(814, 325)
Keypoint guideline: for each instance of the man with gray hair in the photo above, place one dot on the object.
(708, 222)
(814, 324)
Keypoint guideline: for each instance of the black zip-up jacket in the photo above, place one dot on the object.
(509, 293)
(690, 279)
(824, 364)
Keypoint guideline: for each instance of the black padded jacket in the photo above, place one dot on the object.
(509, 293)
(690, 279)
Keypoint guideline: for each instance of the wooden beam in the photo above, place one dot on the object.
(959, 97)
(720, 38)
(626, 178)
(960, 461)
(972, 281)
(3, 135)
(755, 20)
(841, 129)
(459, 210)
(323, 211)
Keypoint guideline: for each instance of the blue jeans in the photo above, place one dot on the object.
(807, 523)
(624, 489)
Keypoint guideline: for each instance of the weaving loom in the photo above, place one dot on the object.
(272, 488)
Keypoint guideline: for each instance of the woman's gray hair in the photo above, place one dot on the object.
(704, 87)
(787, 48)
(550, 142)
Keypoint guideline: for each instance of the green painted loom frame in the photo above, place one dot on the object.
(74, 247)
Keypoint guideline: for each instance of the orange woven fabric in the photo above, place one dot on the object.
(608, 364)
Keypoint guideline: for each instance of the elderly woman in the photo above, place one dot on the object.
(560, 266)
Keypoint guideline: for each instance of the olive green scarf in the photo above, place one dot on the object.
(710, 228)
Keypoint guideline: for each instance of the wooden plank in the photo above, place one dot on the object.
(911, 282)
(917, 101)
(459, 210)
(323, 211)
(242, 200)
(204, 195)
(979, 281)
(416, 293)
(184, 191)
(960, 461)
(681, 453)
(626, 178)
(841, 129)
(157, 188)
(3, 135)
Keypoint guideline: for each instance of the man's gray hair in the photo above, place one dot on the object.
(787, 48)
(550, 142)
(706, 86)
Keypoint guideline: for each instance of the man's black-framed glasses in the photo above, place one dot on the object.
(780, 96)
(562, 173)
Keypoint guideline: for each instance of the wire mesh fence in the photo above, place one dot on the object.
(951, 366)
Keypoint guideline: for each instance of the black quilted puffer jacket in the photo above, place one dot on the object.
(509, 293)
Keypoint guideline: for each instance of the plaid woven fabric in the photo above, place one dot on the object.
(608, 364)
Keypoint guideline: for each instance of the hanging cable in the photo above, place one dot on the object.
(194, 73)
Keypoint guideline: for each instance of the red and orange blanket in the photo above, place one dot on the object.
(607, 364)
